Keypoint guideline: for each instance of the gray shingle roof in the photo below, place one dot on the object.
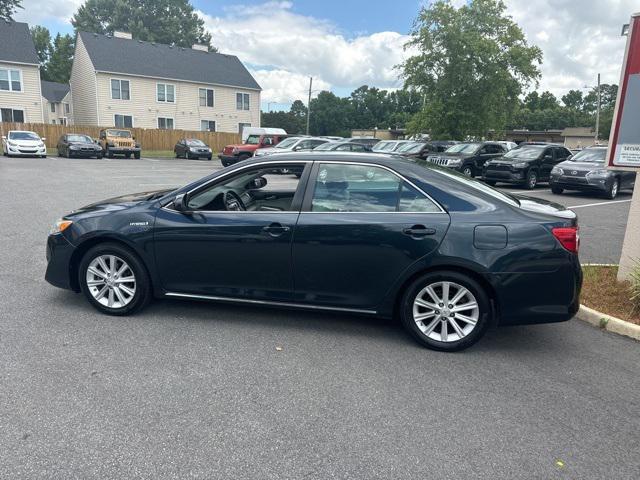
(53, 91)
(135, 57)
(16, 44)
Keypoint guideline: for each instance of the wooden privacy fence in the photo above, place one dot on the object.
(149, 139)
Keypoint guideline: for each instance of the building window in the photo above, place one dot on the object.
(206, 97)
(63, 120)
(10, 80)
(241, 127)
(67, 107)
(120, 89)
(166, 92)
(53, 108)
(53, 122)
(123, 121)
(12, 115)
(165, 123)
(242, 101)
(207, 125)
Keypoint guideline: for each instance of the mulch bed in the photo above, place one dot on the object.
(602, 291)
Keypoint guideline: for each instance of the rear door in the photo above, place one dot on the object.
(547, 161)
(360, 227)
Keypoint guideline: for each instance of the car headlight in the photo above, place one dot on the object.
(11, 144)
(557, 171)
(603, 172)
(60, 226)
(520, 165)
(454, 162)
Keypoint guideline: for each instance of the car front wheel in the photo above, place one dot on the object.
(612, 192)
(532, 180)
(114, 280)
(467, 171)
(446, 311)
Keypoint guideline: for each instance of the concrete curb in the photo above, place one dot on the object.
(608, 323)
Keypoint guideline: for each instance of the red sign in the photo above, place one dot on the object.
(624, 142)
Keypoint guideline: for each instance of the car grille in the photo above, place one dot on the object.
(439, 160)
(575, 173)
(576, 180)
(122, 143)
(27, 150)
(500, 167)
(203, 150)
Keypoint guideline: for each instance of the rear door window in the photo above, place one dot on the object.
(364, 188)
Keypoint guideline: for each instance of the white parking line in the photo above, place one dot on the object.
(600, 203)
(531, 191)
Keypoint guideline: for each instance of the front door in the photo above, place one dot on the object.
(360, 228)
(235, 239)
(548, 161)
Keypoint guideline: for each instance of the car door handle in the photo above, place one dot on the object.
(419, 231)
(275, 229)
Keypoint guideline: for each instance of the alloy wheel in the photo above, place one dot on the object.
(445, 311)
(614, 188)
(111, 281)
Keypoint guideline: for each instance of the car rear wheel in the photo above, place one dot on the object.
(557, 190)
(613, 189)
(446, 311)
(109, 153)
(114, 280)
(532, 180)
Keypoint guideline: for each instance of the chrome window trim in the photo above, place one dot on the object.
(266, 162)
(267, 302)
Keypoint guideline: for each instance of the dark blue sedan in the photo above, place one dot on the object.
(362, 233)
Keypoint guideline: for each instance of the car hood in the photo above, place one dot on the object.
(26, 143)
(452, 155)
(116, 203)
(538, 205)
(581, 166)
(84, 144)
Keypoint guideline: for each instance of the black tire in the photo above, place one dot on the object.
(209, 158)
(531, 180)
(99, 156)
(127, 155)
(613, 190)
(491, 183)
(557, 190)
(482, 300)
(109, 153)
(187, 156)
(136, 155)
(142, 294)
(467, 171)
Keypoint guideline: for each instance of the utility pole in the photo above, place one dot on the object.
(309, 103)
(598, 112)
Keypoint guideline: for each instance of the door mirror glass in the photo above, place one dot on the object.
(256, 183)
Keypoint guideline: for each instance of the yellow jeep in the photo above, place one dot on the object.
(117, 141)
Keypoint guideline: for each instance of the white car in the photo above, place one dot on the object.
(507, 145)
(387, 146)
(292, 144)
(23, 143)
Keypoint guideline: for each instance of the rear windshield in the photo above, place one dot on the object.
(592, 155)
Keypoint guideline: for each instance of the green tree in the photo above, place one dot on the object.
(58, 68)
(161, 21)
(547, 101)
(330, 115)
(8, 8)
(573, 99)
(472, 64)
(42, 41)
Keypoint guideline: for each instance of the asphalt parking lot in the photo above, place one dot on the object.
(199, 390)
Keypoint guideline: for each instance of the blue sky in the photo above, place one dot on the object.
(349, 43)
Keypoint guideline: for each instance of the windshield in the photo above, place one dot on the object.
(463, 148)
(287, 143)
(194, 142)
(406, 146)
(253, 140)
(413, 148)
(380, 146)
(119, 133)
(328, 146)
(591, 155)
(23, 136)
(524, 152)
(79, 138)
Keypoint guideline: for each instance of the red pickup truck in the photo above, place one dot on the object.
(236, 153)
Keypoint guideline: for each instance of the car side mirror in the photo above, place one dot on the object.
(297, 147)
(4, 137)
(257, 183)
(180, 203)
(43, 138)
(548, 157)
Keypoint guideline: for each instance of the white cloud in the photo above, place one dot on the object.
(283, 86)
(578, 39)
(37, 11)
(297, 46)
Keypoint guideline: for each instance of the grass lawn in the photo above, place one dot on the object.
(158, 153)
(602, 291)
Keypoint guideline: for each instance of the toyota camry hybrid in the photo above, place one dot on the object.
(348, 232)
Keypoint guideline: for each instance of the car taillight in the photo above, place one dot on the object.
(569, 237)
